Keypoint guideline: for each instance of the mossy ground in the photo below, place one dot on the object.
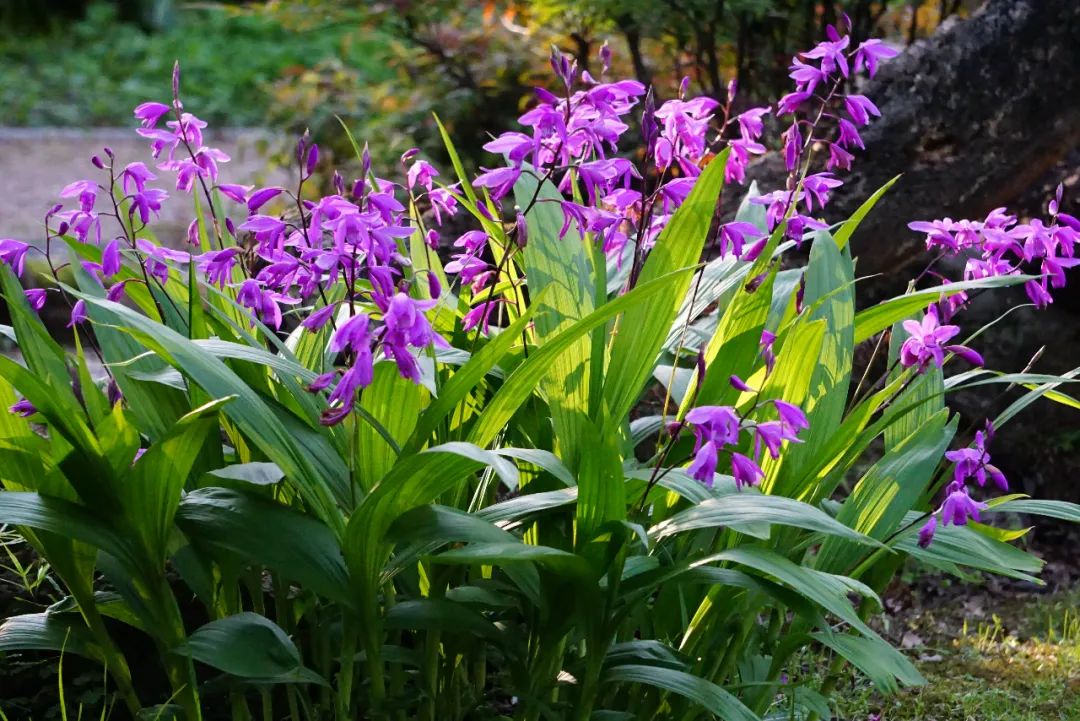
(1017, 660)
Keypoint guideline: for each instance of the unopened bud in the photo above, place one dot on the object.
(301, 148)
(699, 364)
(115, 396)
(176, 80)
(754, 283)
(521, 230)
(434, 287)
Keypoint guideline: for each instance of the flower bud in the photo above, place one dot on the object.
(521, 230)
(96, 162)
(432, 239)
(193, 232)
(312, 158)
(605, 57)
(434, 287)
(754, 283)
(739, 384)
(339, 183)
(301, 148)
(699, 364)
(113, 392)
(649, 127)
(555, 59)
(176, 80)
(409, 155)
(322, 382)
(230, 226)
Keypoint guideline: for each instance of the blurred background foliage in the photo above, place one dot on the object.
(385, 66)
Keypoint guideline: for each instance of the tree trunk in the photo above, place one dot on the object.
(633, 44)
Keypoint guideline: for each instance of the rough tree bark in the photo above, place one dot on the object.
(971, 117)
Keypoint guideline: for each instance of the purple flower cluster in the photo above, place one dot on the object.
(1000, 245)
(994, 247)
(819, 74)
(352, 237)
(924, 344)
(971, 463)
(718, 426)
(573, 138)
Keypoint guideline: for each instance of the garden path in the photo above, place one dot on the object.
(36, 163)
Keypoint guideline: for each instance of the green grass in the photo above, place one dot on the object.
(94, 71)
(1022, 665)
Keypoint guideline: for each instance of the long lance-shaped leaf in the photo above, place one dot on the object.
(560, 266)
(150, 491)
(642, 330)
(734, 347)
(735, 508)
(429, 614)
(844, 232)
(285, 367)
(87, 457)
(296, 545)
(463, 380)
(954, 547)
(67, 519)
(828, 591)
(396, 403)
(873, 320)
(522, 383)
(42, 354)
(892, 486)
(249, 646)
(801, 358)
(254, 418)
(414, 481)
(865, 654)
(1062, 510)
(155, 407)
(48, 632)
(829, 291)
(702, 692)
